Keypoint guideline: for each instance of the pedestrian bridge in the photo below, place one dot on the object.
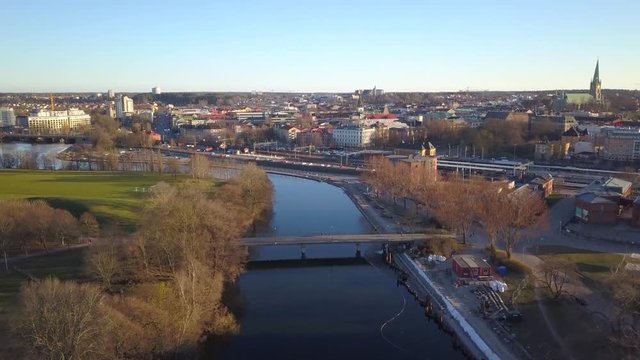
(338, 239)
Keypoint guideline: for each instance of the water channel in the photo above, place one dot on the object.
(334, 309)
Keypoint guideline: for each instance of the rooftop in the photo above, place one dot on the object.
(471, 261)
(593, 198)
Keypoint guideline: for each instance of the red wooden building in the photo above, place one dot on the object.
(471, 266)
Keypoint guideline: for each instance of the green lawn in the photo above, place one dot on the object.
(108, 195)
(594, 266)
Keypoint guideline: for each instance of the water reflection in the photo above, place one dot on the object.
(43, 155)
(330, 310)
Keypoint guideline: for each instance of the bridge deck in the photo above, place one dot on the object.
(337, 239)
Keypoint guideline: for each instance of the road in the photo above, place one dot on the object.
(333, 239)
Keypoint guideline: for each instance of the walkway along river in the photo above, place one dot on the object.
(330, 309)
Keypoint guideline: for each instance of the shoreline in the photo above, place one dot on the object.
(464, 334)
(452, 319)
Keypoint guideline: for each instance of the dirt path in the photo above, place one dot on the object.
(43, 252)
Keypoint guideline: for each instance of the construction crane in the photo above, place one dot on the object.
(53, 105)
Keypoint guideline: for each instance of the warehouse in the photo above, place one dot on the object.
(470, 266)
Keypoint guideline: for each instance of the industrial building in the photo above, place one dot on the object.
(470, 266)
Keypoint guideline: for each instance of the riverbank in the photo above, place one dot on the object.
(473, 334)
(353, 189)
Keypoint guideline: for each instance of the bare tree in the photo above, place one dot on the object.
(7, 228)
(515, 212)
(490, 214)
(555, 276)
(40, 225)
(173, 166)
(103, 262)
(517, 291)
(64, 226)
(63, 320)
(111, 161)
(200, 166)
(89, 225)
(455, 206)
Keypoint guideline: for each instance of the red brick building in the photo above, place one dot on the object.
(594, 209)
(470, 266)
(601, 201)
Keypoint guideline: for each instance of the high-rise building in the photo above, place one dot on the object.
(596, 85)
(124, 107)
(156, 90)
(7, 117)
(111, 94)
(45, 122)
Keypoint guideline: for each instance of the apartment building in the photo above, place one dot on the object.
(353, 136)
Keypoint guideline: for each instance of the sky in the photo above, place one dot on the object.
(317, 46)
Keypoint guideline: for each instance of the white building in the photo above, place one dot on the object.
(7, 117)
(45, 122)
(353, 136)
(156, 90)
(111, 94)
(124, 107)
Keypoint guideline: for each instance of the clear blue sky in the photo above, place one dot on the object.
(309, 45)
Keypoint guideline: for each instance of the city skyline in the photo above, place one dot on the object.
(331, 46)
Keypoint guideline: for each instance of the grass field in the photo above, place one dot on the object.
(108, 195)
(594, 267)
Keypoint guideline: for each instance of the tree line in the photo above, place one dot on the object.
(158, 294)
(34, 224)
(458, 204)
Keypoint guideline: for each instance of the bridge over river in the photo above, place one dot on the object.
(338, 239)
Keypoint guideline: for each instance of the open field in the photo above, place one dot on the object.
(565, 314)
(593, 267)
(108, 195)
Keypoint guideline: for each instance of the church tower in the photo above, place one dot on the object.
(596, 85)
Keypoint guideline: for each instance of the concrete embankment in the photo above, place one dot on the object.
(365, 209)
(449, 315)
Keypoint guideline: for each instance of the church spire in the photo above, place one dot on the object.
(596, 85)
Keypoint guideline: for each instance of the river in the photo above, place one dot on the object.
(44, 154)
(335, 309)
